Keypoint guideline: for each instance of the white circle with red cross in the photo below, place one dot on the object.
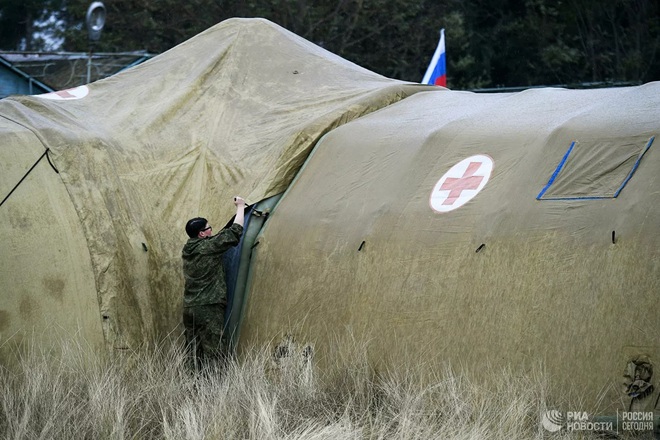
(461, 183)
(66, 95)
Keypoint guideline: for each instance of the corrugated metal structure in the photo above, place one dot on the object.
(14, 81)
(33, 73)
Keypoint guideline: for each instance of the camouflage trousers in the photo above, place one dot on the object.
(205, 337)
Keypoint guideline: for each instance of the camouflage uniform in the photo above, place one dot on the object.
(205, 295)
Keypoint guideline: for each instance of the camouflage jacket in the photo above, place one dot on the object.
(202, 267)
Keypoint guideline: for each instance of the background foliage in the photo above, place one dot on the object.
(490, 43)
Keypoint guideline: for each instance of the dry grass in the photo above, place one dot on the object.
(153, 395)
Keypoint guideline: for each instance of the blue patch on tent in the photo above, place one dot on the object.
(595, 169)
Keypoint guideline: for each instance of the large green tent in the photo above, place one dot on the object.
(91, 245)
(491, 231)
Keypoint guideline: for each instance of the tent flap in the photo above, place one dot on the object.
(595, 169)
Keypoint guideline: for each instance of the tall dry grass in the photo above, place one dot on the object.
(75, 394)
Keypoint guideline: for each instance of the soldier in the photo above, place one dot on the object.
(205, 294)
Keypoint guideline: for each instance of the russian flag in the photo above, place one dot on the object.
(436, 74)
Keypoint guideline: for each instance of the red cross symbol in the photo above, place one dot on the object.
(457, 186)
(65, 94)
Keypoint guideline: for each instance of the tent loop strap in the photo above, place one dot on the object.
(28, 172)
(49, 161)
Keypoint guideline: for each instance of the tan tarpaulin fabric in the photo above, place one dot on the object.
(46, 279)
(505, 279)
(235, 110)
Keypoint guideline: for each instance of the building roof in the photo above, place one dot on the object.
(63, 70)
(14, 81)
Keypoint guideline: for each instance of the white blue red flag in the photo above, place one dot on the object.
(436, 74)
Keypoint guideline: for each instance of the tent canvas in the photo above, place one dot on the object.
(92, 245)
(364, 240)
(504, 229)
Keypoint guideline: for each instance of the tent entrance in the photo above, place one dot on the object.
(236, 262)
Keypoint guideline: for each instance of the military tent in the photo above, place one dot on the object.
(488, 230)
(479, 229)
(98, 181)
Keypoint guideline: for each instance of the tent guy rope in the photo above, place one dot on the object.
(28, 172)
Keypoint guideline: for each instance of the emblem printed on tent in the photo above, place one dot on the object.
(67, 95)
(461, 183)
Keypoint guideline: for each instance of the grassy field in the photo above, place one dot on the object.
(154, 395)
